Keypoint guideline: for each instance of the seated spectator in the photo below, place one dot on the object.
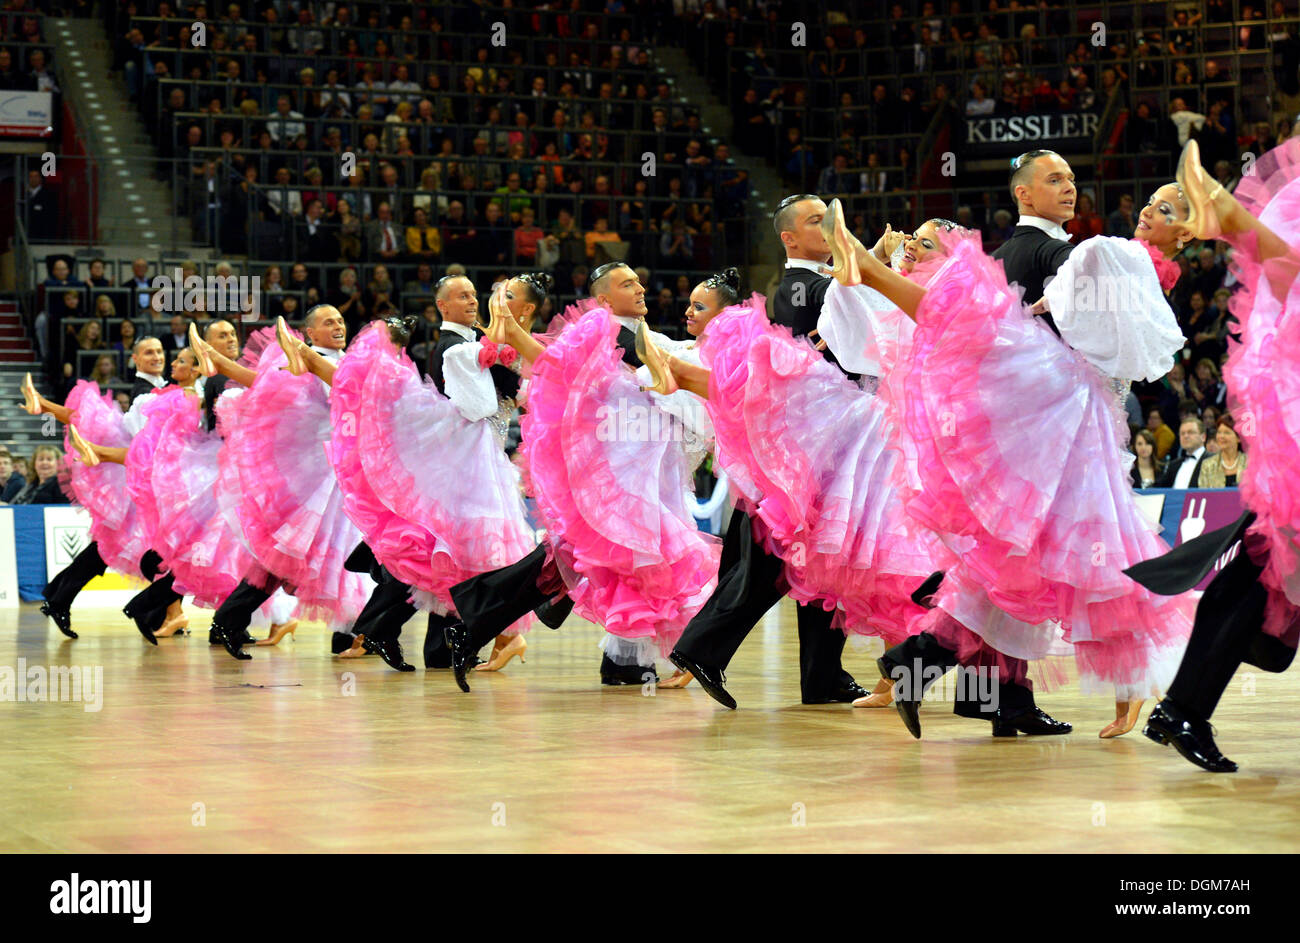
(125, 336)
(1224, 468)
(1208, 388)
(495, 240)
(459, 238)
(104, 372)
(1146, 468)
(11, 482)
(1086, 223)
(1184, 467)
(527, 236)
(601, 233)
(424, 284)
(1163, 434)
(286, 124)
(676, 247)
(383, 243)
(979, 103)
(348, 226)
(1122, 222)
(43, 485)
(284, 201)
(316, 243)
(349, 300)
(423, 242)
(90, 336)
(381, 295)
(96, 277)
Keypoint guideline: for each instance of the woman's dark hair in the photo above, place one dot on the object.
(727, 284)
(539, 285)
(1229, 420)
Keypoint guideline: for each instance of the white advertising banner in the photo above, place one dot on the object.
(67, 533)
(8, 561)
(26, 114)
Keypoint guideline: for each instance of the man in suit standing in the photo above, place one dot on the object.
(750, 580)
(1042, 185)
(1184, 469)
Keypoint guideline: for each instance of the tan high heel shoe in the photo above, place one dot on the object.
(882, 695)
(679, 679)
(358, 649)
(1202, 213)
(656, 362)
(278, 632)
(1126, 718)
(199, 347)
(82, 447)
(844, 255)
(31, 399)
(289, 344)
(502, 652)
(177, 623)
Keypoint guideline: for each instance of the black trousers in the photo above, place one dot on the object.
(490, 602)
(85, 566)
(934, 660)
(150, 605)
(1227, 631)
(237, 610)
(750, 583)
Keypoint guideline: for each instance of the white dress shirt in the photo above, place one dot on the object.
(134, 419)
(1183, 479)
(1055, 230)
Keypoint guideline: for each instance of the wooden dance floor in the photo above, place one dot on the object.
(298, 751)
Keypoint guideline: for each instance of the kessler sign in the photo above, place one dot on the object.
(1020, 132)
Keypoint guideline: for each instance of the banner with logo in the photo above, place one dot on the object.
(995, 135)
(1205, 511)
(26, 114)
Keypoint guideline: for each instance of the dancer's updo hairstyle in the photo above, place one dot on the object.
(727, 284)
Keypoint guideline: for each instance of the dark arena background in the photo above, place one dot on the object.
(173, 164)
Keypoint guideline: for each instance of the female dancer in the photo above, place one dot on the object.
(290, 507)
(172, 471)
(137, 457)
(1050, 547)
(431, 524)
(816, 457)
(624, 547)
(115, 535)
(1251, 610)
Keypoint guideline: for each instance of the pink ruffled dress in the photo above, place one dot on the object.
(290, 507)
(818, 465)
(611, 488)
(1263, 378)
(432, 492)
(1022, 457)
(116, 525)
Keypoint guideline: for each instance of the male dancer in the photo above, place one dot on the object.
(149, 359)
(490, 602)
(457, 302)
(750, 580)
(1042, 185)
(325, 331)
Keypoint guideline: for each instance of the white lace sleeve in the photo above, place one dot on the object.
(469, 386)
(1107, 303)
(860, 325)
